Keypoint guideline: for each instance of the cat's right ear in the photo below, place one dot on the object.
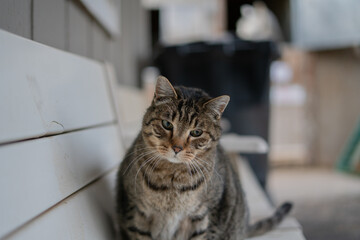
(163, 89)
(217, 105)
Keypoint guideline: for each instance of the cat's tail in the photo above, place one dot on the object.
(268, 224)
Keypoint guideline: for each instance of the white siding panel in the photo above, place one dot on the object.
(86, 215)
(49, 22)
(78, 28)
(37, 174)
(45, 91)
(15, 17)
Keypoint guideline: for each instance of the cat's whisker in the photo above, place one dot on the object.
(138, 158)
(209, 167)
(205, 172)
(199, 162)
(188, 166)
(141, 166)
(203, 161)
(219, 176)
(156, 163)
(156, 159)
(192, 168)
(136, 150)
(210, 172)
(213, 168)
(149, 165)
(196, 164)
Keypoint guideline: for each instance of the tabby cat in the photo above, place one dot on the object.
(176, 181)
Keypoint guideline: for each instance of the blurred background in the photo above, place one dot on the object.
(291, 67)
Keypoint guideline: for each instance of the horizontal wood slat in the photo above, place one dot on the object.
(36, 174)
(87, 214)
(46, 91)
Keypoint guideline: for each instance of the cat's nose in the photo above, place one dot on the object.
(177, 149)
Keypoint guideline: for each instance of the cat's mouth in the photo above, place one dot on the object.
(179, 159)
(169, 155)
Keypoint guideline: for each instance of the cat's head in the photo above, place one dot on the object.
(182, 123)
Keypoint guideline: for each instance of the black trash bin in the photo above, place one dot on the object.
(237, 68)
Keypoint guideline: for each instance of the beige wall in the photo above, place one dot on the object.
(67, 25)
(316, 132)
(336, 98)
(289, 132)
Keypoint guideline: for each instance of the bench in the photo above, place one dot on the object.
(63, 133)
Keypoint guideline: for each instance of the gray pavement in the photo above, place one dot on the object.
(327, 203)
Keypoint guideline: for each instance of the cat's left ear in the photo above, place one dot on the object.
(164, 89)
(217, 105)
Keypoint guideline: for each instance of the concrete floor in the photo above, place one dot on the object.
(327, 203)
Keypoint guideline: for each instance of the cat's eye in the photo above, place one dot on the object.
(196, 133)
(167, 125)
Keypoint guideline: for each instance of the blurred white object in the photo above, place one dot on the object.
(280, 72)
(187, 21)
(258, 23)
(290, 95)
(148, 79)
(325, 24)
(243, 144)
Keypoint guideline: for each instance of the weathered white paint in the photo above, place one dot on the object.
(45, 91)
(87, 214)
(37, 174)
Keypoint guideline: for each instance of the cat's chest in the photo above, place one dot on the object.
(172, 202)
(175, 222)
(167, 226)
(171, 212)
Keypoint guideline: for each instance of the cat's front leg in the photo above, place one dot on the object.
(189, 230)
(137, 226)
(134, 233)
(199, 236)
(196, 227)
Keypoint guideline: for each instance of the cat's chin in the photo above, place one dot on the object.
(174, 160)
